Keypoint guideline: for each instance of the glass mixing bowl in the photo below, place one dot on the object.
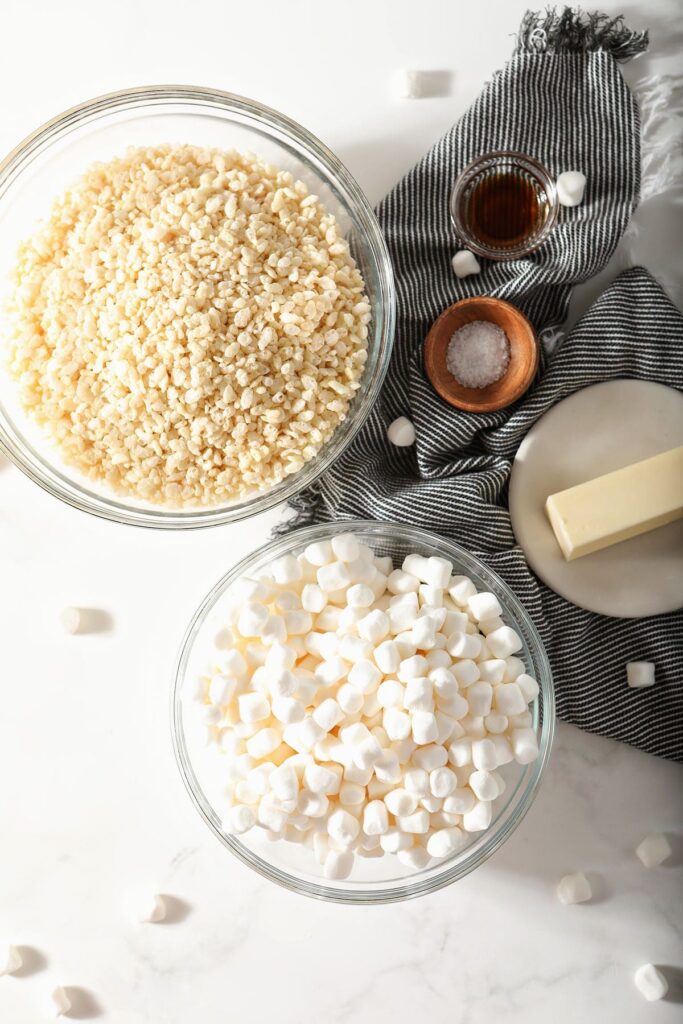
(47, 162)
(381, 880)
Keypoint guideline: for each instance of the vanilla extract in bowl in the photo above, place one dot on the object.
(504, 205)
(506, 209)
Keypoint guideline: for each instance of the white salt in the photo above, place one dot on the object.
(478, 354)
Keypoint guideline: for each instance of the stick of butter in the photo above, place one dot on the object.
(619, 505)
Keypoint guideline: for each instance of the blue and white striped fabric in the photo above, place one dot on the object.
(570, 110)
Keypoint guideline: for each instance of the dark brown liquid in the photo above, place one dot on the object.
(505, 209)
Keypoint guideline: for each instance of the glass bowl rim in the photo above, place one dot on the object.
(76, 493)
(475, 244)
(408, 889)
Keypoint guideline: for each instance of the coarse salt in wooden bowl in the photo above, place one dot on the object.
(523, 354)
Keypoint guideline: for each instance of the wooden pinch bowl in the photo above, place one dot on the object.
(523, 354)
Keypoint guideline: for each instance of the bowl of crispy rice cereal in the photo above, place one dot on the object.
(197, 307)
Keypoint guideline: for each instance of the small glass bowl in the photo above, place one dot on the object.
(50, 159)
(381, 880)
(487, 166)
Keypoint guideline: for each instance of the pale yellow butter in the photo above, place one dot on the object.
(619, 505)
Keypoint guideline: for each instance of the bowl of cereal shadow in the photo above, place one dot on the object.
(522, 354)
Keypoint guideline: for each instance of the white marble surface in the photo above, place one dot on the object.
(94, 816)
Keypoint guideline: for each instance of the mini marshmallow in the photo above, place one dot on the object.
(284, 783)
(416, 823)
(394, 840)
(265, 742)
(640, 674)
(350, 699)
(12, 961)
(424, 728)
(375, 818)
(342, 827)
(155, 910)
(400, 582)
(414, 667)
(338, 864)
(466, 672)
(495, 723)
(360, 595)
(430, 757)
(322, 778)
(387, 656)
(424, 634)
(400, 802)
(287, 710)
(72, 619)
(529, 687)
(479, 697)
(274, 630)
(574, 889)
(465, 263)
(503, 642)
(331, 671)
(313, 805)
(524, 745)
(653, 850)
(60, 1003)
(416, 781)
(387, 767)
(487, 626)
(351, 794)
(463, 645)
(374, 626)
(461, 589)
(279, 657)
(418, 695)
(650, 982)
(253, 707)
(570, 187)
(319, 553)
(396, 723)
(298, 622)
(364, 676)
(445, 842)
(409, 85)
(390, 694)
(484, 755)
(415, 858)
(328, 714)
(442, 782)
(302, 736)
(333, 576)
(478, 818)
(367, 753)
(345, 547)
(460, 801)
(222, 690)
(253, 618)
(508, 699)
(460, 752)
(239, 820)
(286, 570)
(484, 785)
(484, 606)
(313, 599)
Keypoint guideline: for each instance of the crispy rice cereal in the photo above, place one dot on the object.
(188, 325)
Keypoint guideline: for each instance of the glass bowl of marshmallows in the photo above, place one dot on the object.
(196, 307)
(362, 711)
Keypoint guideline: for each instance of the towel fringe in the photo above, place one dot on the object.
(577, 31)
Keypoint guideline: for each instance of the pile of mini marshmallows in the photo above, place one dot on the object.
(365, 710)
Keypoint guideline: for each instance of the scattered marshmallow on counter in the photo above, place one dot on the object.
(570, 186)
(409, 85)
(650, 982)
(574, 889)
(374, 719)
(59, 1003)
(11, 961)
(72, 619)
(653, 850)
(401, 432)
(155, 911)
(640, 674)
(465, 263)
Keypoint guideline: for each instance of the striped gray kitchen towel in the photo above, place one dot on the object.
(561, 99)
